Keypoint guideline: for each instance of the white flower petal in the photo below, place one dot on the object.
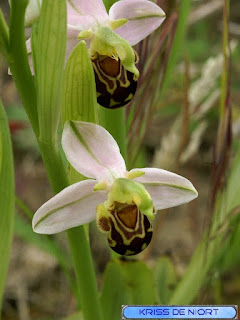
(73, 206)
(94, 8)
(92, 151)
(78, 22)
(144, 17)
(166, 188)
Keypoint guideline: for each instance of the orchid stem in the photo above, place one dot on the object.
(54, 166)
(82, 260)
(115, 123)
(77, 238)
(18, 62)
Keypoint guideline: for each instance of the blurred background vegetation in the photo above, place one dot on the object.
(181, 120)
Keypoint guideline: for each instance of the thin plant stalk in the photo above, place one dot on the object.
(18, 62)
(178, 41)
(78, 243)
(115, 122)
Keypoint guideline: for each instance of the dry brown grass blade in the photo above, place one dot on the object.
(224, 135)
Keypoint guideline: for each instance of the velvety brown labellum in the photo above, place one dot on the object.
(130, 231)
(115, 85)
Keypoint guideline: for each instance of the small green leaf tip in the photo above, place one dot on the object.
(129, 192)
(107, 43)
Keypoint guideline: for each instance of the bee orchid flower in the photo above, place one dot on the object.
(110, 37)
(111, 34)
(123, 202)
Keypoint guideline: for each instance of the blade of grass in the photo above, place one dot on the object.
(177, 42)
(224, 134)
(210, 249)
(6, 198)
(4, 36)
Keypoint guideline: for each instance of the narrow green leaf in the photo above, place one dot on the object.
(230, 253)
(226, 53)
(4, 36)
(193, 279)
(212, 251)
(79, 93)
(79, 89)
(227, 217)
(232, 193)
(166, 279)
(6, 197)
(126, 282)
(50, 57)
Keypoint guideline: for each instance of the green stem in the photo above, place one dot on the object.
(54, 166)
(115, 123)
(18, 62)
(82, 260)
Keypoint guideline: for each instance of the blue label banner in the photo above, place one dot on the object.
(179, 312)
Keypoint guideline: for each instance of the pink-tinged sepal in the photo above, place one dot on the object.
(73, 206)
(166, 188)
(143, 18)
(93, 8)
(92, 151)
